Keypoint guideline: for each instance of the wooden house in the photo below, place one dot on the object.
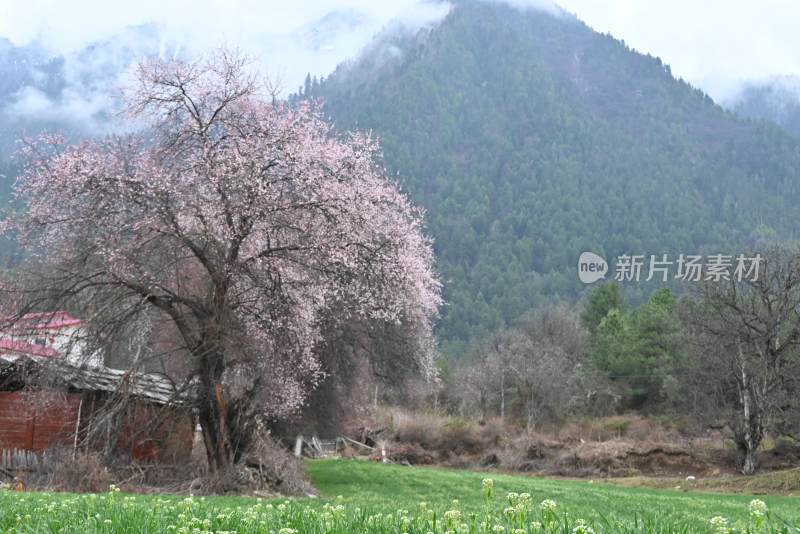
(51, 397)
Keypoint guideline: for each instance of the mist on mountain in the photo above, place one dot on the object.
(530, 138)
(527, 136)
(776, 100)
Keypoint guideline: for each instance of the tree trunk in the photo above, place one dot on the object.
(747, 459)
(529, 423)
(750, 429)
(502, 397)
(213, 419)
(213, 411)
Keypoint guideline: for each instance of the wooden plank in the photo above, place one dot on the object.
(30, 424)
(35, 421)
(357, 444)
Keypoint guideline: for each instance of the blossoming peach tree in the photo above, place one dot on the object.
(239, 220)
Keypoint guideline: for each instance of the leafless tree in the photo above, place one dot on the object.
(746, 339)
(547, 370)
(534, 370)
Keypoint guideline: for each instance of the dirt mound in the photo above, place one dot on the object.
(619, 446)
(617, 458)
(404, 453)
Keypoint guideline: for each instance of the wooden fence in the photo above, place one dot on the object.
(317, 448)
(18, 459)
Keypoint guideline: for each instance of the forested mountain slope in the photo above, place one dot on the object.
(527, 137)
(530, 138)
(776, 100)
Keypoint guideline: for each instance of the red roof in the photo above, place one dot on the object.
(15, 345)
(33, 325)
(46, 320)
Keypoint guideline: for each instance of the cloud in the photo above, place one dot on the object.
(714, 44)
(290, 39)
(71, 106)
(548, 6)
(286, 40)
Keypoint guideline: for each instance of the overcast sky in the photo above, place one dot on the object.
(712, 43)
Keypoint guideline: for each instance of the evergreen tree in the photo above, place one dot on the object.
(602, 300)
(640, 351)
(531, 138)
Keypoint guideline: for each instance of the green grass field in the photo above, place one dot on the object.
(365, 497)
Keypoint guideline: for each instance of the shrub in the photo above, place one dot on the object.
(63, 470)
(422, 429)
(409, 453)
(272, 468)
(616, 425)
(460, 436)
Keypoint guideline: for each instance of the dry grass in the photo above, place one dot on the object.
(774, 483)
(269, 469)
(61, 471)
(633, 427)
(616, 446)
(627, 447)
(437, 433)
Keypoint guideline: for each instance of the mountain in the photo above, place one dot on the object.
(321, 35)
(776, 100)
(529, 138)
(70, 93)
(75, 91)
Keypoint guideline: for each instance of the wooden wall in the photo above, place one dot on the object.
(151, 435)
(36, 421)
